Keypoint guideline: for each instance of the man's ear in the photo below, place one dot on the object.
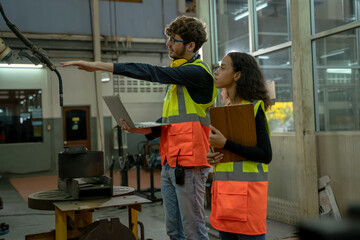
(237, 76)
(190, 46)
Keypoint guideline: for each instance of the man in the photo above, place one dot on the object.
(183, 143)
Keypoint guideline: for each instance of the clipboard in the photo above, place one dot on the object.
(236, 123)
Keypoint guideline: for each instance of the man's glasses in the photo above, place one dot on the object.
(173, 40)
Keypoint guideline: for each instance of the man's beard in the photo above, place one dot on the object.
(178, 55)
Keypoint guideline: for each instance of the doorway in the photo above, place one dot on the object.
(76, 126)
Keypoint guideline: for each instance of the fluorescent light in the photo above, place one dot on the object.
(264, 57)
(261, 6)
(5, 65)
(332, 54)
(240, 16)
(244, 14)
(339, 70)
(105, 79)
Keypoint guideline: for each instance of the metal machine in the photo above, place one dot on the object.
(81, 177)
(81, 173)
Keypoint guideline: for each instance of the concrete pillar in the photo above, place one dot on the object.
(98, 87)
(307, 174)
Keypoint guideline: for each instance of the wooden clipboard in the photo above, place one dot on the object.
(236, 123)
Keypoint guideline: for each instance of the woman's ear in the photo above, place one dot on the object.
(237, 76)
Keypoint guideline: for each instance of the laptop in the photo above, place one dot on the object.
(119, 111)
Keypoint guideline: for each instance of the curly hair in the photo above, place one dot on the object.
(190, 29)
(251, 86)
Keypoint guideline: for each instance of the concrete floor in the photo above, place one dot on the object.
(24, 221)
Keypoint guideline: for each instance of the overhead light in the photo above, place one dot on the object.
(244, 14)
(261, 6)
(333, 54)
(16, 65)
(339, 70)
(105, 77)
(263, 57)
(241, 15)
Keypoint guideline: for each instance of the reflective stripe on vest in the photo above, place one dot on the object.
(244, 171)
(249, 171)
(179, 106)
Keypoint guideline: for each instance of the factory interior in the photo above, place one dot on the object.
(308, 52)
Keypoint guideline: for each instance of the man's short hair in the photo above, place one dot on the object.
(190, 29)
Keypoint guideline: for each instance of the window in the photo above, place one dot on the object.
(337, 81)
(20, 116)
(232, 20)
(277, 67)
(261, 28)
(332, 13)
(272, 23)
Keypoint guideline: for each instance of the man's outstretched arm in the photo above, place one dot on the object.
(90, 66)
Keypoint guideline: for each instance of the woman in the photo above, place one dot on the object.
(239, 189)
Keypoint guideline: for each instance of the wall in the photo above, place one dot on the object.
(30, 157)
(283, 194)
(74, 17)
(337, 157)
(282, 168)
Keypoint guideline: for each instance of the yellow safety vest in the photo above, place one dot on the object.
(189, 129)
(239, 193)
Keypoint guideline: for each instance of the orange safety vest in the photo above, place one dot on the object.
(189, 126)
(239, 194)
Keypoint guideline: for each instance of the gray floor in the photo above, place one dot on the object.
(24, 221)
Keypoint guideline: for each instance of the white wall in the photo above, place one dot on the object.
(337, 156)
(78, 88)
(29, 157)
